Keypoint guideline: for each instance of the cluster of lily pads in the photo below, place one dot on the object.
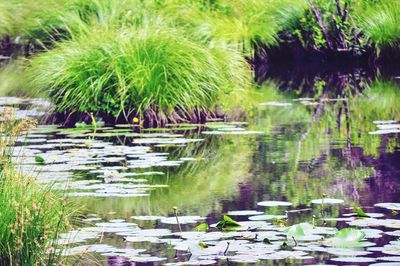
(113, 161)
(386, 127)
(256, 237)
(24, 108)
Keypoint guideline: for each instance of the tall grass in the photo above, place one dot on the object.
(28, 19)
(31, 216)
(51, 20)
(240, 22)
(380, 22)
(152, 68)
(6, 20)
(13, 82)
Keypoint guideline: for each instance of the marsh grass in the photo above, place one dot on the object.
(380, 22)
(31, 215)
(240, 23)
(152, 68)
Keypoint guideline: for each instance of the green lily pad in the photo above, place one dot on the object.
(274, 203)
(327, 201)
(389, 205)
(347, 237)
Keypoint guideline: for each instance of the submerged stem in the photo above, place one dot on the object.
(177, 220)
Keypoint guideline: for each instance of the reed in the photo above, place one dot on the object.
(31, 216)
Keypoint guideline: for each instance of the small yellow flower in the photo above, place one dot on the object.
(135, 120)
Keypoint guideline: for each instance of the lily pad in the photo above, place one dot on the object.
(244, 213)
(266, 217)
(347, 237)
(327, 201)
(389, 205)
(182, 219)
(274, 203)
(354, 259)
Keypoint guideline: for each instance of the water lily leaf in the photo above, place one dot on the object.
(181, 219)
(265, 217)
(203, 245)
(389, 205)
(348, 237)
(327, 201)
(227, 222)
(244, 213)
(360, 212)
(354, 259)
(203, 227)
(350, 234)
(267, 241)
(299, 230)
(394, 258)
(39, 160)
(274, 203)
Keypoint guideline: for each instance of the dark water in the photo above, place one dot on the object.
(334, 136)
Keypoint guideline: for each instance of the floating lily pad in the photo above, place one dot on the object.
(274, 203)
(347, 237)
(368, 214)
(193, 262)
(371, 222)
(346, 252)
(244, 213)
(147, 259)
(327, 201)
(354, 259)
(182, 219)
(393, 258)
(266, 217)
(147, 218)
(299, 230)
(389, 205)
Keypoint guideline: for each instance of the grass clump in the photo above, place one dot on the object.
(29, 20)
(380, 22)
(31, 216)
(152, 70)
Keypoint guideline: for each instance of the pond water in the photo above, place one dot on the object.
(313, 150)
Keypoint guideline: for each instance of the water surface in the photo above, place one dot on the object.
(332, 136)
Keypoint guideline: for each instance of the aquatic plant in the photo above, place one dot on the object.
(227, 222)
(152, 71)
(31, 216)
(10, 129)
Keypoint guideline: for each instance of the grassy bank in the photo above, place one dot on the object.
(180, 60)
(31, 216)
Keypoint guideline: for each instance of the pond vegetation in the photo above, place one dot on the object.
(179, 60)
(32, 216)
(199, 132)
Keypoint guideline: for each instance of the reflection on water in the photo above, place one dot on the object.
(326, 135)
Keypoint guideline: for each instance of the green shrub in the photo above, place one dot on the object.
(152, 68)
